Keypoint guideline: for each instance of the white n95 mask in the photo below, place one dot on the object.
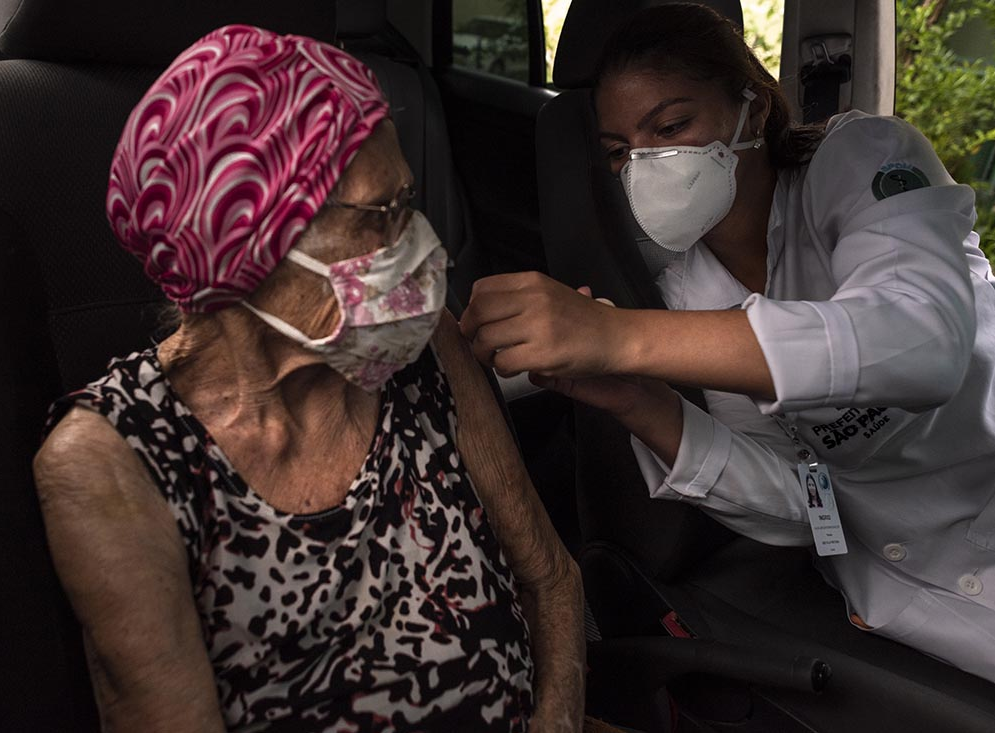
(677, 194)
(389, 301)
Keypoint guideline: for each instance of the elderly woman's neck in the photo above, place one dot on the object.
(292, 428)
(228, 367)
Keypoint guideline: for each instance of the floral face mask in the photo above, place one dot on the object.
(389, 300)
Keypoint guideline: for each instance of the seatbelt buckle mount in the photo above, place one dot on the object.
(826, 66)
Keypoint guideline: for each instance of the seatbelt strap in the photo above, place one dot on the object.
(828, 69)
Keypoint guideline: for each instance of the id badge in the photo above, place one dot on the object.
(817, 490)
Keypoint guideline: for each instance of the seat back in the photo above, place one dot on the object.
(69, 76)
(591, 238)
(71, 297)
(416, 108)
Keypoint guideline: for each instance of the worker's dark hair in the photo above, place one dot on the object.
(695, 41)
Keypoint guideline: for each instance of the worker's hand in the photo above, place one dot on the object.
(527, 322)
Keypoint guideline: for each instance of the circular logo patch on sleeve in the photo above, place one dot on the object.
(896, 178)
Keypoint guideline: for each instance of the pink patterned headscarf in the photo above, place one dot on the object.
(230, 154)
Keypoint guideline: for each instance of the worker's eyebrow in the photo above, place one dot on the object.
(647, 118)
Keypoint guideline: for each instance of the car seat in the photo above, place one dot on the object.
(363, 30)
(70, 73)
(764, 619)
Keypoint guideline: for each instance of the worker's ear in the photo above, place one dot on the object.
(759, 111)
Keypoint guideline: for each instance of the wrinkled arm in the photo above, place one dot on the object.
(121, 561)
(549, 579)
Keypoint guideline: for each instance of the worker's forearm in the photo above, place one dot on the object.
(709, 349)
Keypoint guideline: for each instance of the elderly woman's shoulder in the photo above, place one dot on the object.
(447, 336)
(452, 351)
(466, 377)
(85, 455)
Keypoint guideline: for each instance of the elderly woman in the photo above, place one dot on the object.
(301, 511)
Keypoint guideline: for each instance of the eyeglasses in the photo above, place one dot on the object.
(392, 217)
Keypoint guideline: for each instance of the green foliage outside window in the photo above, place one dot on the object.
(948, 97)
(763, 23)
(553, 14)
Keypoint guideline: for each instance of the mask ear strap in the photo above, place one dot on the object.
(279, 324)
(308, 262)
(743, 114)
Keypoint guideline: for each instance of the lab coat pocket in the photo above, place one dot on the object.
(953, 630)
(909, 620)
(982, 530)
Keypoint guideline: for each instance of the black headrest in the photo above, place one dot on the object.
(588, 25)
(360, 18)
(141, 32)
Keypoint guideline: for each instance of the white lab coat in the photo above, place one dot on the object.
(878, 324)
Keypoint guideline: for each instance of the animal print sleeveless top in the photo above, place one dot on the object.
(394, 611)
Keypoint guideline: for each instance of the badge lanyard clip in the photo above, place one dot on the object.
(817, 491)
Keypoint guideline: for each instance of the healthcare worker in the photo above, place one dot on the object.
(827, 293)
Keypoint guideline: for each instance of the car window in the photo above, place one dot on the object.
(492, 36)
(763, 27)
(944, 79)
(553, 13)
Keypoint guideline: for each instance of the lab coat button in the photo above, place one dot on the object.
(894, 552)
(970, 584)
